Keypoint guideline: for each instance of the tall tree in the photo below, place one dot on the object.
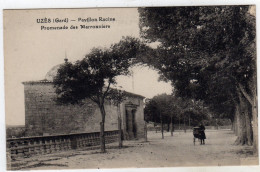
(201, 48)
(117, 97)
(158, 110)
(165, 109)
(93, 76)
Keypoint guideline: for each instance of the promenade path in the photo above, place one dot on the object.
(168, 152)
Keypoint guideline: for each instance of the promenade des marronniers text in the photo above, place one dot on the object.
(75, 24)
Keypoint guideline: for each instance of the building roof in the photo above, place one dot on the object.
(44, 81)
(53, 72)
(37, 82)
(48, 77)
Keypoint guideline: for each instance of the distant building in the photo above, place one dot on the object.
(43, 116)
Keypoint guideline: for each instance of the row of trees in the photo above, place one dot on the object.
(169, 109)
(209, 54)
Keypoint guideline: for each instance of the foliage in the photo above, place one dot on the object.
(116, 96)
(93, 76)
(169, 106)
(205, 51)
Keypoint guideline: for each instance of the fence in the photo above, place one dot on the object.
(29, 146)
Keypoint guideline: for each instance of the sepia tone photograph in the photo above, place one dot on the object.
(147, 87)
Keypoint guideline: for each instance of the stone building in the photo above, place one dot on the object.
(43, 116)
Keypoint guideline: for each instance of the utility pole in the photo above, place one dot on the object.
(66, 58)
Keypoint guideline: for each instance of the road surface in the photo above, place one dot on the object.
(168, 152)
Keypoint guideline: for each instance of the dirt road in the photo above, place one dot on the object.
(168, 152)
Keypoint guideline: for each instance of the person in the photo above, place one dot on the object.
(202, 134)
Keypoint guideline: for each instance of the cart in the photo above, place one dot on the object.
(197, 134)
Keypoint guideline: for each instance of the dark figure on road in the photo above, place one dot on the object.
(202, 133)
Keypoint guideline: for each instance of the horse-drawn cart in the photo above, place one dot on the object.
(199, 134)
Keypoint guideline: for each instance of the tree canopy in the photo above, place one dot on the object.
(164, 107)
(202, 49)
(93, 76)
(208, 53)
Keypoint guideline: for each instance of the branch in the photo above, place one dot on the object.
(105, 93)
(103, 96)
(245, 94)
(94, 100)
(233, 100)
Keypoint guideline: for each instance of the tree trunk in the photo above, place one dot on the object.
(253, 101)
(162, 127)
(184, 124)
(238, 127)
(235, 123)
(171, 127)
(179, 123)
(255, 125)
(189, 122)
(242, 135)
(253, 85)
(145, 131)
(102, 129)
(253, 88)
(246, 112)
(232, 126)
(168, 127)
(155, 126)
(248, 125)
(120, 142)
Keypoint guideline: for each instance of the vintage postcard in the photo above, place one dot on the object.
(147, 87)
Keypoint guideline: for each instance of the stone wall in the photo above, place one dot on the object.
(30, 146)
(43, 116)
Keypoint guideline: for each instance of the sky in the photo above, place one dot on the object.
(29, 52)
